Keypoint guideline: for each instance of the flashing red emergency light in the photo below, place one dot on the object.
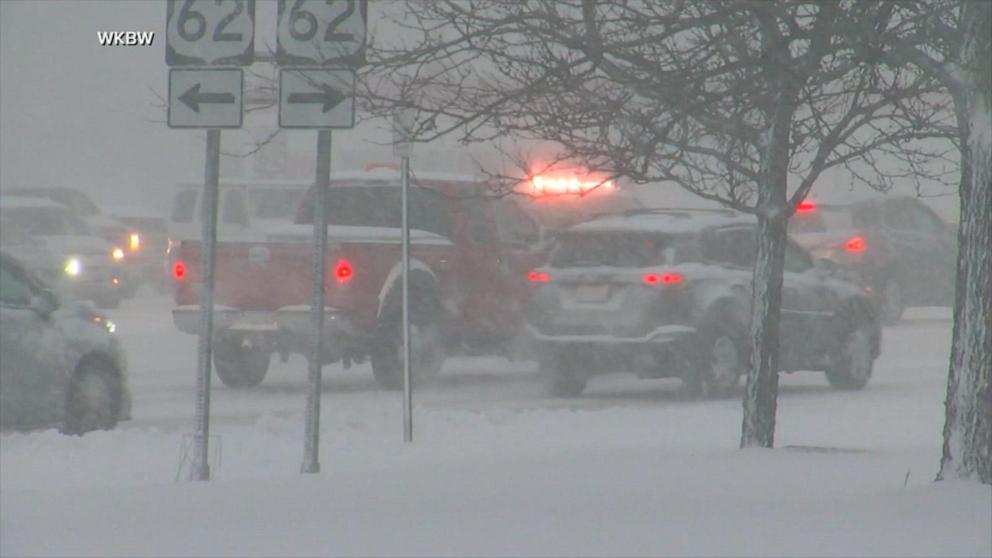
(343, 271)
(668, 278)
(805, 206)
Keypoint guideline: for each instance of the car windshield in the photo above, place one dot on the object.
(44, 221)
(614, 249)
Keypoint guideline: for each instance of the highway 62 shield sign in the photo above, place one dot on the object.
(321, 33)
(210, 32)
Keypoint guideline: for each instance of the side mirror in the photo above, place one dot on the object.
(45, 303)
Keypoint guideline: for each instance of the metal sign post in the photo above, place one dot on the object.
(318, 33)
(201, 468)
(311, 439)
(206, 33)
(402, 127)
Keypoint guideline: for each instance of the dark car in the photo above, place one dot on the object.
(898, 245)
(667, 294)
(145, 252)
(60, 364)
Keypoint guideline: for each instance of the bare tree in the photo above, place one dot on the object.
(731, 100)
(951, 40)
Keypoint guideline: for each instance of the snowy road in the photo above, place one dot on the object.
(631, 468)
(163, 373)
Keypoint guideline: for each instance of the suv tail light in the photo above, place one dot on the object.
(538, 276)
(343, 271)
(668, 278)
(805, 207)
(856, 244)
(179, 270)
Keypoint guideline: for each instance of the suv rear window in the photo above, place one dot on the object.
(615, 250)
(825, 219)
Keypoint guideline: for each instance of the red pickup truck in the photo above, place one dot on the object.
(470, 257)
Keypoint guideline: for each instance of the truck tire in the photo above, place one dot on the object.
(852, 369)
(240, 366)
(427, 353)
(93, 401)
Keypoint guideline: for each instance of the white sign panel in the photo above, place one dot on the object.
(315, 98)
(210, 32)
(321, 33)
(205, 98)
(403, 120)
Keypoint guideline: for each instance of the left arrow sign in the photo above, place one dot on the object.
(205, 98)
(192, 98)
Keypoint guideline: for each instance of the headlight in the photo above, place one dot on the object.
(134, 242)
(107, 324)
(117, 254)
(73, 267)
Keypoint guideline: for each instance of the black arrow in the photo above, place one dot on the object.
(192, 98)
(328, 95)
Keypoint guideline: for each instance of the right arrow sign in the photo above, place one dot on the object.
(316, 98)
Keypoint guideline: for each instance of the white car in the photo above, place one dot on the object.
(58, 246)
(60, 364)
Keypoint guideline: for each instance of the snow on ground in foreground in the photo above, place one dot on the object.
(627, 470)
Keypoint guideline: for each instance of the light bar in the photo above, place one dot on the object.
(567, 184)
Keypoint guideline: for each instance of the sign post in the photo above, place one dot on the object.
(402, 128)
(207, 33)
(328, 38)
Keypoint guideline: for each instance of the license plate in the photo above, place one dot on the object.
(592, 293)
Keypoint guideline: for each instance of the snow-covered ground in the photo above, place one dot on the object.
(631, 468)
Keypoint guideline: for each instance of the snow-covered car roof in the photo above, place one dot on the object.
(664, 220)
(25, 201)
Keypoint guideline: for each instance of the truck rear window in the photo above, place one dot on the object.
(379, 206)
(614, 250)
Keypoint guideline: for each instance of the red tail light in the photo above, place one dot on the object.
(179, 270)
(538, 277)
(805, 207)
(668, 278)
(856, 244)
(343, 271)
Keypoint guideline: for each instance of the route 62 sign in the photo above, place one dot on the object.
(321, 33)
(210, 32)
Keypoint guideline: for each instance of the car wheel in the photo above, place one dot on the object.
(565, 378)
(892, 302)
(427, 353)
(852, 368)
(93, 402)
(240, 365)
(720, 363)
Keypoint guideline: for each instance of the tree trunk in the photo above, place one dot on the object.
(761, 391)
(967, 452)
